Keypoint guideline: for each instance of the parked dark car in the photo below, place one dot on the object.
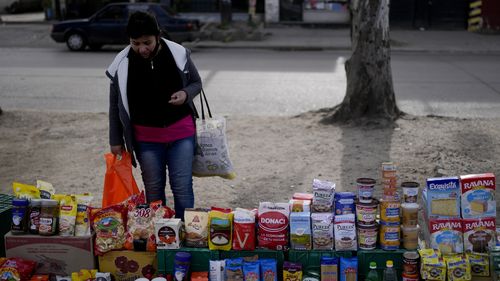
(22, 6)
(108, 26)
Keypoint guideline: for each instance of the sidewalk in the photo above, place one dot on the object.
(298, 37)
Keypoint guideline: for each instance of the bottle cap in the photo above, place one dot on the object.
(373, 265)
(389, 263)
(20, 202)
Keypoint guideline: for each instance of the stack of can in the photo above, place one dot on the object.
(366, 214)
(389, 209)
(409, 209)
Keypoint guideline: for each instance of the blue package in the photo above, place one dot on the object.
(268, 270)
(251, 271)
(348, 269)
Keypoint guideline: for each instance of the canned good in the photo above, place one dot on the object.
(389, 235)
(365, 189)
(366, 213)
(344, 203)
(49, 214)
(410, 191)
(407, 277)
(367, 237)
(389, 210)
(410, 263)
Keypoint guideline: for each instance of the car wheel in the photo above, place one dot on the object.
(95, 47)
(75, 42)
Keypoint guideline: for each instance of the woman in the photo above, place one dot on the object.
(153, 84)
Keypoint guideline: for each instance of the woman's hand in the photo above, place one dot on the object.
(117, 149)
(178, 98)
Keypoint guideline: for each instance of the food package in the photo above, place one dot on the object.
(297, 205)
(268, 270)
(16, 269)
(83, 202)
(479, 264)
(446, 235)
(273, 225)
(220, 223)
(109, 225)
(244, 230)
(458, 268)
(234, 269)
(432, 267)
(329, 268)
(345, 233)
(348, 269)
(292, 271)
(196, 224)
(300, 231)
(322, 231)
(478, 196)
(251, 271)
(442, 198)
(217, 269)
(168, 233)
(46, 189)
(140, 226)
(479, 234)
(323, 193)
(25, 191)
(67, 215)
(303, 196)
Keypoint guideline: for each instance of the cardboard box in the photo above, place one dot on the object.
(445, 235)
(128, 265)
(442, 198)
(54, 254)
(478, 196)
(479, 234)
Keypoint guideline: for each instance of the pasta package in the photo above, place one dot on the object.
(109, 226)
(220, 236)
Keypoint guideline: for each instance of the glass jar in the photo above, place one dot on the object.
(34, 215)
(49, 214)
(20, 208)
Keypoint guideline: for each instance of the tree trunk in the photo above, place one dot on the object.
(369, 92)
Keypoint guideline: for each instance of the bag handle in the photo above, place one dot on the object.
(203, 97)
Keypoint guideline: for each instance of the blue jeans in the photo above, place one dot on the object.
(177, 157)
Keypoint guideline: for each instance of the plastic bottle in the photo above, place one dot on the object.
(390, 272)
(372, 274)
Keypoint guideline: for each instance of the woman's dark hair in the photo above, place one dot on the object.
(140, 24)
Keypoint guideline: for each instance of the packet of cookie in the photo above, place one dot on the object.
(458, 268)
(196, 223)
(109, 225)
(292, 271)
(433, 269)
(268, 270)
(251, 271)
(479, 264)
(323, 192)
(234, 269)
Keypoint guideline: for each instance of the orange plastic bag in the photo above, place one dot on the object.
(119, 183)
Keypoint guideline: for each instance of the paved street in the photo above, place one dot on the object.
(257, 82)
(38, 74)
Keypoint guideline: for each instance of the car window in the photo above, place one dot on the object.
(113, 13)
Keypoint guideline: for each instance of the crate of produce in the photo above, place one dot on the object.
(5, 218)
(380, 257)
(311, 260)
(200, 258)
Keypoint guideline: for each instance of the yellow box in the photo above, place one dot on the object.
(129, 265)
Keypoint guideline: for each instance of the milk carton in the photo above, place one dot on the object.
(478, 196)
(442, 198)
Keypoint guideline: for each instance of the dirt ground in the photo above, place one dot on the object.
(273, 156)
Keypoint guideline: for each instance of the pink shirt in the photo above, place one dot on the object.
(181, 129)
